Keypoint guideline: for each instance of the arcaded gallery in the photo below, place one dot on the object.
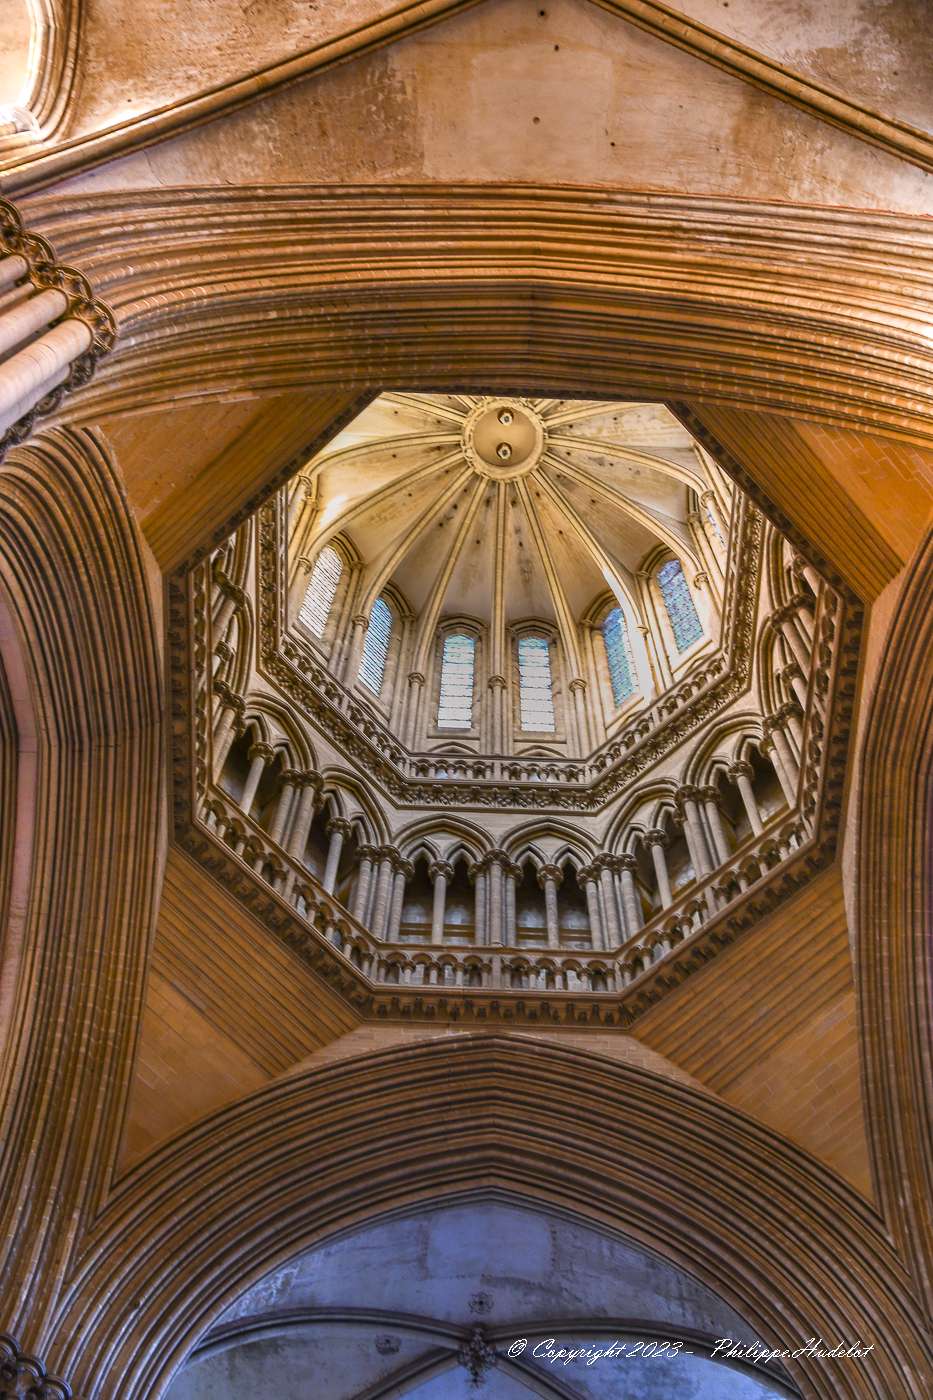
(466, 679)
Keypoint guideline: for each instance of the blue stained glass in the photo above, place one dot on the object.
(618, 656)
(681, 609)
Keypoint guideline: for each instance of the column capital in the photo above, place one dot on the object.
(339, 826)
(261, 750)
(605, 861)
(360, 620)
(292, 777)
(404, 868)
(741, 769)
(229, 697)
(655, 837)
(494, 857)
(589, 874)
(552, 873)
(578, 683)
(709, 793)
(497, 682)
(772, 722)
(701, 580)
(366, 852)
(687, 792)
(441, 867)
(390, 853)
(416, 678)
(627, 861)
(310, 779)
(789, 710)
(789, 671)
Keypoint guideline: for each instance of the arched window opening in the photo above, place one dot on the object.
(681, 609)
(321, 590)
(455, 704)
(317, 844)
(536, 697)
(418, 904)
(530, 915)
(460, 905)
(618, 655)
(236, 765)
(766, 786)
(573, 915)
(376, 646)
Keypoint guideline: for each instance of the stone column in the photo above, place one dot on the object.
(367, 855)
(310, 786)
(413, 714)
(495, 896)
(259, 755)
(511, 874)
(790, 715)
(355, 648)
(383, 890)
(497, 686)
(802, 567)
(783, 619)
(613, 933)
(688, 798)
(630, 901)
(403, 873)
(590, 877)
(441, 872)
(550, 878)
(232, 709)
(578, 690)
(741, 774)
(656, 842)
(705, 603)
(711, 801)
(480, 895)
(792, 676)
(338, 828)
(290, 780)
(38, 368)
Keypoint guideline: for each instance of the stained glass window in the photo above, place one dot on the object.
(376, 646)
(536, 700)
(681, 609)
(618, 656)
(455, 707)
(319, 596)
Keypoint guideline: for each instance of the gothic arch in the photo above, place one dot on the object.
(224, 1203)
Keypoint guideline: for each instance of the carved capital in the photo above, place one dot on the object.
(711, 794)
(292, 777)
(578, 683)
(404, 867)
(627, 861)
(442, 868)
(416, 678)
(741, 769)
(655, 837)
(497, 682)
(370, 853)
(687, 793)
(261, 750)
(339, 826)
(551, 873)
(24, 1377)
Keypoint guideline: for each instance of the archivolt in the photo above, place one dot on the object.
(774, 1232)
(74, 585)
(597, 292)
